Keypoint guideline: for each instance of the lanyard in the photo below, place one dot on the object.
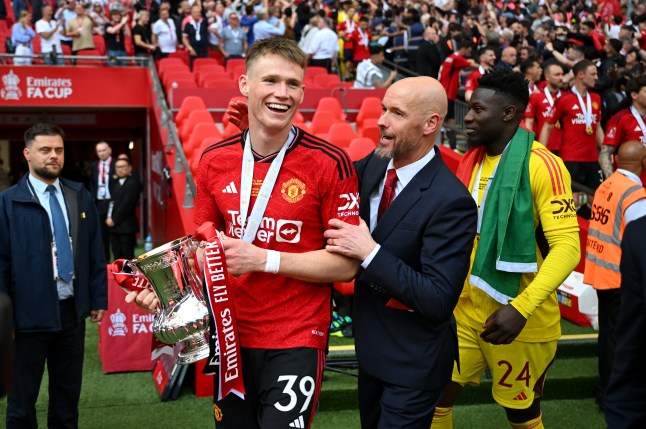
(586, 108)
(639, 120)
(548, 95)
(364, 37)
(196, 26)
(251, 227)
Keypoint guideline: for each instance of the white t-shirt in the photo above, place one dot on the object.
(54, 42)
(166, 35)
(325, 44)
(367, 74)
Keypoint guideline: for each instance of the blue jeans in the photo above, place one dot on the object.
(114, 62)
(50, 60)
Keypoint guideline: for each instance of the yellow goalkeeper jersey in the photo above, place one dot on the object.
(555, 215)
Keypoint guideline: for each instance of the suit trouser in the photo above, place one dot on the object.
(123, 245)
(609, 305)
(102, 207)
(63, 352)
(387, 406)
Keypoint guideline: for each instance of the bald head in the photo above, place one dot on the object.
(632, 157)
(422, 94)
(413, 111)
(509, 55)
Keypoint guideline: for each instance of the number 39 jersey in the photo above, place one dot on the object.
(316, 183)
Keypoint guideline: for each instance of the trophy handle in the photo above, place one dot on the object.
(128, 277)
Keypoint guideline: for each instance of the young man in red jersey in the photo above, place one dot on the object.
(580, 115)
(449, 75)
(486, 58)
(625, 125)
(281, 273)
(542, 103)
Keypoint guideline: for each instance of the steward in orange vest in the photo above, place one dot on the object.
(607, 224)
(619, 200)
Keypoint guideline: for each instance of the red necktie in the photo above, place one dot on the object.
(388, 194)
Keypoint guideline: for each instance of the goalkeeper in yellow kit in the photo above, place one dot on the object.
(527, 244)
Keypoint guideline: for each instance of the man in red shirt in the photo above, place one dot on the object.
(259, 190)
(580, 115)
(541, 104)
(625, 125)
(450, 74)
(486, 58)
(361, 39)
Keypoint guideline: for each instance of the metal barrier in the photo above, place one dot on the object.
(174, 142)
(79, 59)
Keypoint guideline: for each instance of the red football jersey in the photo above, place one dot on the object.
(577, 146)
(539, 109)
(623, 127)
(472, 81)
(450, 74)
(316, 183)
(361, 43)
(348, 27)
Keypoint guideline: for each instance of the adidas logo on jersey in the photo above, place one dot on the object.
(575, 107)
(230, 189)
(297, 423)
(520, 397)
(545, 101)
(637, 128)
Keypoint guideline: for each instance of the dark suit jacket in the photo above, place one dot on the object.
(94, 182)
(429, 59)
(626, 394)
(124, 211)
(26, 271)
(426, 238)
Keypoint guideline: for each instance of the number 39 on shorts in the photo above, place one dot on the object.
(294, 387)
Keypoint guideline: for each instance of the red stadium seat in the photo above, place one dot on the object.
(331, 104)
(99, 43)
(217, 56)
(327, 81)
(174, 76)
(89, 53)
(172, 68)
(194, 118)
(194, 162)
(310, 72)
(182, 55)
(322, 121)
(230, 130)
(220, 84)
(370, 108)
(371, 132)
(233, 63)
(200, 62)
(202, 76)
(359, 148)
(341, 134)
(201, 131)
(210, 69)
(189, 104)
(180, 83)
(165, 62)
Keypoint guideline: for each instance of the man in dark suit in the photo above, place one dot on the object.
(626, 393)
(53, 269)
(122, 215)
(414, 262)
(100, 185)
(429, 58)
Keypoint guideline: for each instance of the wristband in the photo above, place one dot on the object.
(273, 262)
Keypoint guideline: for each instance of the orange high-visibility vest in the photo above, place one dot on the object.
(607, 224)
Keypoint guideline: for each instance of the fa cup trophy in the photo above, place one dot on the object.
(172, 272)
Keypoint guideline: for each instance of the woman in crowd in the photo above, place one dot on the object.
(21, 37)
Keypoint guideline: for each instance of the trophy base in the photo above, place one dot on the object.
(194, 350)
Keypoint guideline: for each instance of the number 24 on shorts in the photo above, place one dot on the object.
(306, 386)
(523, 375)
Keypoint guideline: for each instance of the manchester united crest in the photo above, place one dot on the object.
(293, 190)
(217, 413)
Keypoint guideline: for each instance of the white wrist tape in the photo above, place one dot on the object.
(273, 262)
